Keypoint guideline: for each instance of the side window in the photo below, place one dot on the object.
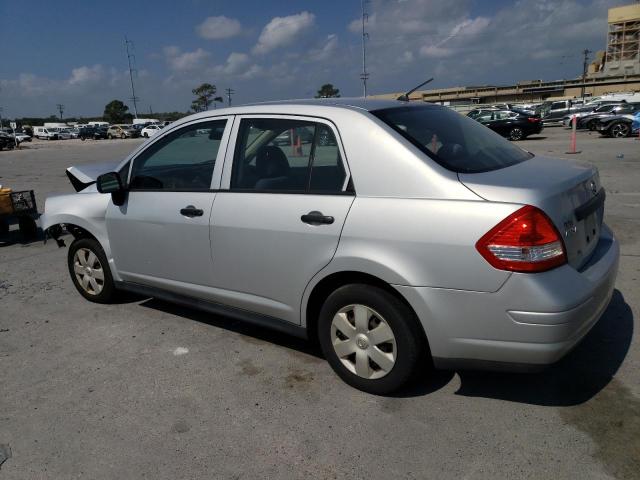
(182, 160)
(286, 155)
(327, 171)
(272, 154)
(558, 105)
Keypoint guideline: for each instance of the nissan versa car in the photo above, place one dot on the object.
(410, 236)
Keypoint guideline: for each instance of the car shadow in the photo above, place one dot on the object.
(14, 237)
(243, 328)
(579, 376)
(576, 378)
(535, 138)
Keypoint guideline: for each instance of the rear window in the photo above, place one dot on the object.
(456, 142)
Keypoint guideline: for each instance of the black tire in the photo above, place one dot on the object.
(592, 125)
(4, 226)
(108, 294)
(516, 134)
(82, 138)
(123, 136)
(146, 135)
(28, 227)
(110, 137)
(409, 338)
(619, 130)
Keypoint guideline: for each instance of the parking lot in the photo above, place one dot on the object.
(146, 389)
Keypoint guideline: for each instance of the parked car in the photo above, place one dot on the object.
(602, 109)
(477, 112)
(22, 137)
(63, 133)
(150, 130)
(513, 125)
(618, 126)
(45, 133)
(122, 131)
(590, 121)
(420, 238)
(6, 141)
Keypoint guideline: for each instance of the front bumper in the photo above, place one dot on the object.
(532, 320)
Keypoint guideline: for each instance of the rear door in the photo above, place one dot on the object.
(277, 220)
(160, 236)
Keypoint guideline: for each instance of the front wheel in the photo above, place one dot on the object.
(123, 136)
(90, 272)
(371, 339)
(516, 134)
(110, 137)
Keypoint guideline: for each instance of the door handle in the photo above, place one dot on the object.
(191, 211)
(317, 218)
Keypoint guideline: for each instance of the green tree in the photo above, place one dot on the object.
(328, 91)
(116, 112)
(204, 94)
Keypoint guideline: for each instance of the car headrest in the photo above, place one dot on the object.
(271, 162)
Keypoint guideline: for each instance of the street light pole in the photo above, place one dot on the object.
(585, 65)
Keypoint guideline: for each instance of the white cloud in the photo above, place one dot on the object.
(282, 31)
(184, 61)
(216, 28)
(326, 51)
(85, 74)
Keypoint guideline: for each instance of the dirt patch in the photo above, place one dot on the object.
(612, 420)
(248, 368)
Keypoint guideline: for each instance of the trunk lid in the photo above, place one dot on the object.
(568, 192)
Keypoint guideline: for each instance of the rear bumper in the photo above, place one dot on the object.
(531, 321)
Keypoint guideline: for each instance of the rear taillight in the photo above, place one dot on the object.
(525, 241)
(533, 119)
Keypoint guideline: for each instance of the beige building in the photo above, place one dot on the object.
(623, 41)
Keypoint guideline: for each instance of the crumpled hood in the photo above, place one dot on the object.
(84, 175)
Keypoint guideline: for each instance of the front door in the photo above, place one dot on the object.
(160, 236)
(280, 220)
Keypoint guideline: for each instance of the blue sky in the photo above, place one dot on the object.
(73, 52)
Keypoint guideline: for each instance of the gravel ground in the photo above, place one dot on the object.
(149, 390)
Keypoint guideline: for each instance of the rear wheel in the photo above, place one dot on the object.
(619, 130)
(516, 134)
(123, 136)
(370, 338)
(90, 272)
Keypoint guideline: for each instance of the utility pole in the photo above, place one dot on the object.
(135, 99)
(585, 65)
(229, 92)
(364, 76)
(1, 110)
(60, 108)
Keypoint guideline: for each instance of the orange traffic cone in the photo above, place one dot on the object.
(297, 147)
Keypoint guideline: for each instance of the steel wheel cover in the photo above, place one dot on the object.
(620, 130)
(363, 341)
(88, 271)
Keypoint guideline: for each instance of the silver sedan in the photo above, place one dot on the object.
(398, 235)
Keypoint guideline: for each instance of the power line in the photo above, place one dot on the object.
(364, 76)
(229, 92)
(134, 99)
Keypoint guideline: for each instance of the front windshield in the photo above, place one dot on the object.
(453, 140)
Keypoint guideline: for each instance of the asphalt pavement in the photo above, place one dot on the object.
(146, 389)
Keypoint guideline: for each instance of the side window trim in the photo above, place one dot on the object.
(220, 157)
(225, 184)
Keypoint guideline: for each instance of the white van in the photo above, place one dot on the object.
(45, 133)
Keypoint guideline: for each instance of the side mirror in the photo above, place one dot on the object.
(109, 183)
